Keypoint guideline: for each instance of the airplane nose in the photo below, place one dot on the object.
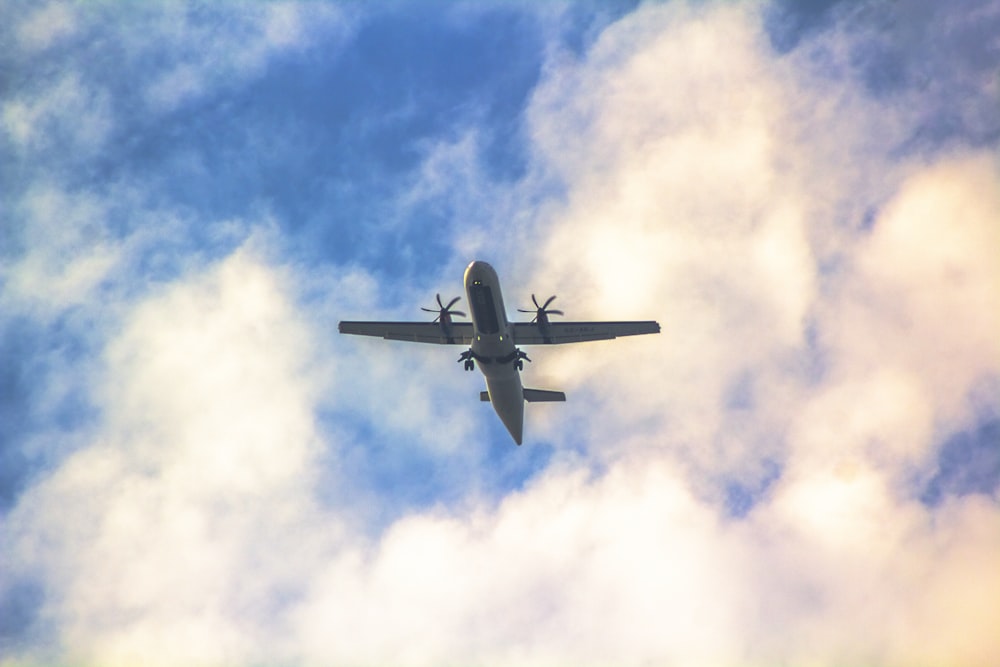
(479, 270)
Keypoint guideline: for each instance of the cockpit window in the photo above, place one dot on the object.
(483, 309)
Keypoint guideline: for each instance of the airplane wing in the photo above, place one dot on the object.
(456, 333)
(552, 333)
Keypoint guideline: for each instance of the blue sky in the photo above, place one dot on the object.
(802, 468)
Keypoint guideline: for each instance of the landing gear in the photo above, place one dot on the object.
(520, 359)
(470, 363)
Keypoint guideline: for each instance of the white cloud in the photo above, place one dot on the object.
(204, 465)
(631, 568)
(731, 213)
(67, 249)
(63, 116)
(709, 184)
(46, 26)
(553, 574)
(927, 283)
(83, 247)
(212, 51)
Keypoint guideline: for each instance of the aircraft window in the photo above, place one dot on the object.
(483, 309)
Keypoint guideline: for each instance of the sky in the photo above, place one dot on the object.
(803, 468)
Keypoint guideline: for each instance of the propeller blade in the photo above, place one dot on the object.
(443, 310)
(541, 311)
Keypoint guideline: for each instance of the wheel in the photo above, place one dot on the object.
(470, 365)
(519, 365)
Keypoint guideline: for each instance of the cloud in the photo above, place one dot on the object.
(252, 482)
(831, 571)
(556, 575)
(927, 280)
(702, 213)
(209, 56)
(47, 26)
(65, 115)
(69, 251)
(204, 457)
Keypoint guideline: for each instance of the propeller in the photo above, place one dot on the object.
(444, 313)
(542, 311)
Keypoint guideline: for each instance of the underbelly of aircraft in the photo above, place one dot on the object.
(507, 397)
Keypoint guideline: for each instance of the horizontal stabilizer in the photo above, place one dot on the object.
(543, 396)
(533, 396)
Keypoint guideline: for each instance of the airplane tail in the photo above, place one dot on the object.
(533, 396)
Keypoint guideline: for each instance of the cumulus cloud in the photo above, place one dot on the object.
(826, 298)
(204, 458)
(701, 214)
(927, 282)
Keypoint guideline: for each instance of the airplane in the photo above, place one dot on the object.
(493, 340)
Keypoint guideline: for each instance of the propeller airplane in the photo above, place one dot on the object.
(493, 340)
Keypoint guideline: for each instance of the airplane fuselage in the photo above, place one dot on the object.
(493, 346)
